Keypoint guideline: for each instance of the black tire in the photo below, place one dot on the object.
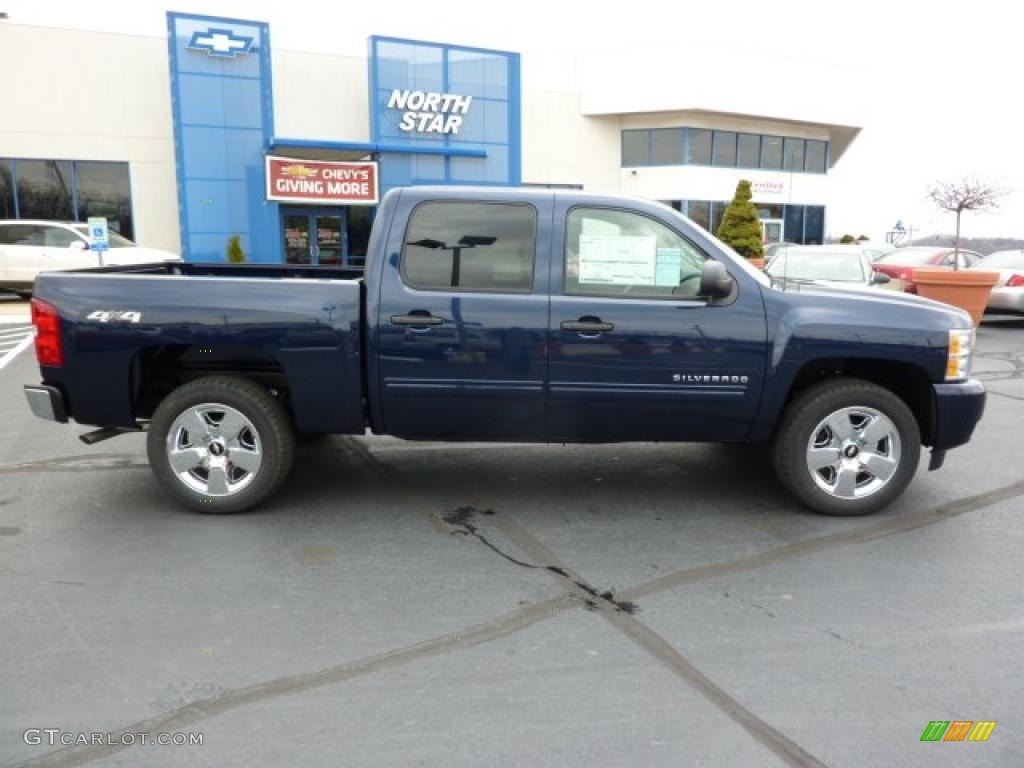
(792, 449)
(274, 442)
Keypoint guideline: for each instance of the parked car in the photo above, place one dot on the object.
(511, 315)
(1008, 294)
(899, 264)
(28, 247)
(840, 266)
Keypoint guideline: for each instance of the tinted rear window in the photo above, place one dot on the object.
(470, 247)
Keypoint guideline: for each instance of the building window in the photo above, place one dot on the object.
(104, 190)
(814, 224)
(44, 189)
(471, 247)
(815, 158)
(793, 155)
(359, 221)
(636, 147)
(698, 146)
(793, 216)
(724, 149)
(771, 153)
(6, 191)
(699, 212)
(748, 150)
(667, 146)
(67, 190)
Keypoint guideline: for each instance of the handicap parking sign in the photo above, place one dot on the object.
(99, 237)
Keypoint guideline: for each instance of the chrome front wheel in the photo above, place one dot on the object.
(853, 452)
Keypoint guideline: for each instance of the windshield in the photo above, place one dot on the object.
(116, 240)
(1003, 260)
(908, 257)
(835, 267)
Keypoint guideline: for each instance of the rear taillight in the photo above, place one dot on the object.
(49, 347)
(1016, 281)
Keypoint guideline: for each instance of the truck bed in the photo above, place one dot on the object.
(130, 331)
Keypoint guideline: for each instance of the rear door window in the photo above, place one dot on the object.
(482, 247)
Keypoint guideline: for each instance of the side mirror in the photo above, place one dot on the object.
(715, 281)
(78, 245)
(879, 278)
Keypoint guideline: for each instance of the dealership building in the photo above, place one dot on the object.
(186, 140)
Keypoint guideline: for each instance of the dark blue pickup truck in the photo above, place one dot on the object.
(511, 315)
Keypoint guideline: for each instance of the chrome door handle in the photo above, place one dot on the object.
(414, 319)
(587, 326)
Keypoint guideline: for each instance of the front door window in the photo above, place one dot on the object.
(297, 242)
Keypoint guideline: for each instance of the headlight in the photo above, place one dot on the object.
(958, 363)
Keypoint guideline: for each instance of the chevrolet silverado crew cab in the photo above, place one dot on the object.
(512, 315)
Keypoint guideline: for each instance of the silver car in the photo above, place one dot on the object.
(824, 265)
(1008, 295)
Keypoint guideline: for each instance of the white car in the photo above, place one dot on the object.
(1008, 294)
(28, 247)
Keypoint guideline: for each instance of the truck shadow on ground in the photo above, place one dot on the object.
(659, 479)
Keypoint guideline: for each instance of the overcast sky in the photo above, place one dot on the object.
(944, 97)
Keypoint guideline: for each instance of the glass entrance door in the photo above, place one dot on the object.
(772, 230)
(313, 236)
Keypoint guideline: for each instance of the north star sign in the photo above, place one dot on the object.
(429, 111)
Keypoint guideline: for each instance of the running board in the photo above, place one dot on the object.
(105, 433)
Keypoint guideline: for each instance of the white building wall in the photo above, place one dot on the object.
(321, 97)
(119, 109)
(561, 146)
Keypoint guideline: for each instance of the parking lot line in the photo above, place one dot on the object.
(12, 353)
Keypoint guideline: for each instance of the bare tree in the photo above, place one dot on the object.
(965, 194)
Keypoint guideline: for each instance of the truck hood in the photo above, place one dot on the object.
(873, 301)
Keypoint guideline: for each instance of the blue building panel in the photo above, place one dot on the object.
(223, 117)
(490, 123)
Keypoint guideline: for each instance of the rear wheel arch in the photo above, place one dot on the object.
(158, 370)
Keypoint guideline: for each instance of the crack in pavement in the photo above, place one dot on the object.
(461, 518)
(664, 652)
(195, 711)
(888, 527)
(516, 620)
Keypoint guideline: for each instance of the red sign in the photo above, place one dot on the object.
(321, 181)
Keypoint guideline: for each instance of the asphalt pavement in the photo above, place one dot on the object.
(403, 604)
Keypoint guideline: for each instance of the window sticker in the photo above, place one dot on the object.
(618, 260)
(668, 267)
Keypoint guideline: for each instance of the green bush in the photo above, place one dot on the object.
(847, 239)
(235, 253)
(741, 225)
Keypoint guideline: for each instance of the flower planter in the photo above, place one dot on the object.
(968, 289)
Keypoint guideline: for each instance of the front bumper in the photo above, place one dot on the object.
(958, 409)
(46, 402)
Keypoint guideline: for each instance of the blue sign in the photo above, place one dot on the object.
(220, 42)
(99, 235)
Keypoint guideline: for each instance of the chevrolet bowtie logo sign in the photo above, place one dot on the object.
(220, 42)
